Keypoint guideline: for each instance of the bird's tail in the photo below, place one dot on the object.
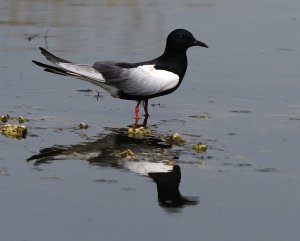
(84, 72)
(64, 67)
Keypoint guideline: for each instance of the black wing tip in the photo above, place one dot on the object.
(51, 69)
(51, 57)
(45, 52)
(38, 63)
(35, 62)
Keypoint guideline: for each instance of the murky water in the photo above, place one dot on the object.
(240, 97)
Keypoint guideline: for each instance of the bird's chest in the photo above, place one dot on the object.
(174, 67)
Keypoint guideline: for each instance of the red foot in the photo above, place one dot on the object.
(136, 110)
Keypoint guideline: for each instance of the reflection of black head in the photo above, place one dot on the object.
(168, 189)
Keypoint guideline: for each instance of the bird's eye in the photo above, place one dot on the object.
(180, 36)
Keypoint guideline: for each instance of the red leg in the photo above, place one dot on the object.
(136, 110)
(145, 105)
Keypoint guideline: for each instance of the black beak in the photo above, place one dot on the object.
(199, 43)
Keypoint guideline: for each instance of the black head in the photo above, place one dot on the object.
(181, 40)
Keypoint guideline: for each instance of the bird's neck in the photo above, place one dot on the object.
(176, 62)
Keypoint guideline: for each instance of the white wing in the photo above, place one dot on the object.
(146, 80)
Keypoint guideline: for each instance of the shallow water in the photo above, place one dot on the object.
(240, 97)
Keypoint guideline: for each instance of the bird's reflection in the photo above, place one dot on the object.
(105, 150)
(168, 189)
(153, 158)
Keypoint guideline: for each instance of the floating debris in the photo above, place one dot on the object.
(95, 93)
(285, 49)
(128, 154)
(83, 125)
(295, 119)
(237, 165)
(108, 181)
(4, 118)
(49, 178)
(13, 131)
(129, 189)
(31, 36)
(200, 147)
(267, 170)
(241, 111)
(231, 134)
(200, 116)
(86, 90)
(138, 131)
(175, 139)
(159, 105)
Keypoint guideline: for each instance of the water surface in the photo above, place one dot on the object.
(240, 97)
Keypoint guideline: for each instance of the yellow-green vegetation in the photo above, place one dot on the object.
(21, 119)
(4, 118)
(128, 154)
(138, 131)
(200, 147)
(13, 131)
(175, 139)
